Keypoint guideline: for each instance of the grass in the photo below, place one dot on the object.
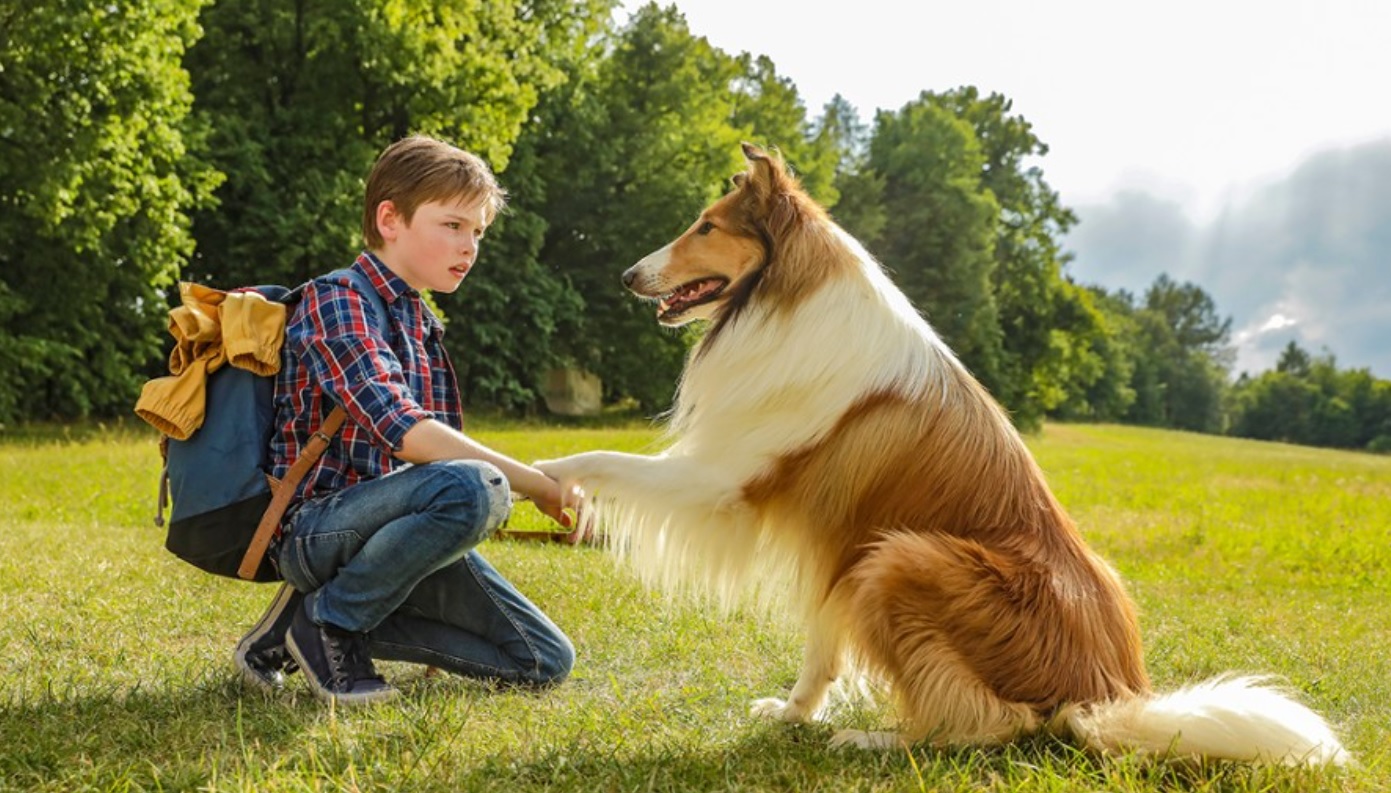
(115, 657)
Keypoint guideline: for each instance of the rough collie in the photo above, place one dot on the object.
(821, 427)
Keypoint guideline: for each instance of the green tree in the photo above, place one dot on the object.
(769, 110)
(519, 307)
(939, 232)
(1182, 358)
(302, 97)
(98, 172)
(631, 153)
(859, 205)
(1307, 399)
(1111, 394)
(1052, 336)
(1276, 406)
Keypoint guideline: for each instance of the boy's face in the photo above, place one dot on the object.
(439, 245)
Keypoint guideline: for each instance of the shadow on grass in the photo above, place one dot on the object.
(171, 738)
(213, 735)
(779, 757)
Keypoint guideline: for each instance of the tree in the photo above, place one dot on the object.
(768, 109)
(518, 308)
(302, 97)
(939, 232)
(1052, 336)
(99, 169)
(1110, 396)
(1307, 399)
(859, 205)
(631, 153)
(1182, 358)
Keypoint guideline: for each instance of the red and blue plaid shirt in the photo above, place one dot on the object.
(336, 355)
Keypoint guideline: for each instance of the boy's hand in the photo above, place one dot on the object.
(561, 505)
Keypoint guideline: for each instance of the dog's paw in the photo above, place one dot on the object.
(861, 739)
(575, 469)
(781, 710)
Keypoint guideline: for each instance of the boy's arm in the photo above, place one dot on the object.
(431, 440)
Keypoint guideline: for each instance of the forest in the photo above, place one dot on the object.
(227, 141)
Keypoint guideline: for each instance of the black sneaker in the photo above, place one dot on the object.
(260, 657)
(336, 662)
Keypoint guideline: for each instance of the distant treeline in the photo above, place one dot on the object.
(226, 142)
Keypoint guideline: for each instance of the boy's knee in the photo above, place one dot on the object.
(555, 663)
(473, 495)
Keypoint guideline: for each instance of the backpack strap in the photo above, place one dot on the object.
(364, 287)
(283, 490)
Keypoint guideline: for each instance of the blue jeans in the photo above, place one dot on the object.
(393, 558)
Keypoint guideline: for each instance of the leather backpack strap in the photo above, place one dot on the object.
(285, 489)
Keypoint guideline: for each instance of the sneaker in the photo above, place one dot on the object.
(260, 657)
(336, 662)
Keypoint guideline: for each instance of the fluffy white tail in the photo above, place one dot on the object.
(1229, 718)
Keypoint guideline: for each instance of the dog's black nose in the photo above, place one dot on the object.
(629, 276)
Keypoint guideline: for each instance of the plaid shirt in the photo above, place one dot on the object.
(334, 354)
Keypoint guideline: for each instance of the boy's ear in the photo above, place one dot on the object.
(389, 221)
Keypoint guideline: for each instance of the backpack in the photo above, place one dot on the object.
(226, 506)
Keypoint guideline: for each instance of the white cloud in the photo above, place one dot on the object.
(1276, 322)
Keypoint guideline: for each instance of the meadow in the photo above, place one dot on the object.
(115, 658)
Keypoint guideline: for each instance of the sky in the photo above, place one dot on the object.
(1207, 107)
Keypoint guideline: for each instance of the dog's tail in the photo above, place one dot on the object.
(1228, 718)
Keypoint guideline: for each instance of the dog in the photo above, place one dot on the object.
(822, 428)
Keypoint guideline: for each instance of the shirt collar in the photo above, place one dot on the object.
(389, 284)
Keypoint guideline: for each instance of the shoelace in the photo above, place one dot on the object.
(350, 661)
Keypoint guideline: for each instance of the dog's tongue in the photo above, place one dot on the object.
(689, 293)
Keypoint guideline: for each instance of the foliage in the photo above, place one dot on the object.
(939, 231)
(303, 97)
(97, 177)
(631, 151)
(1307, 399)
(227, 142)
(1168, 357)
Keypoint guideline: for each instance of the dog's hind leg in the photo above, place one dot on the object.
(821, 665)
(923, 603)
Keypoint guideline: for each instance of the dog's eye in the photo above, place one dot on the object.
(705, 228)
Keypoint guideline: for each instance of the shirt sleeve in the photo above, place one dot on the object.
(340, 346)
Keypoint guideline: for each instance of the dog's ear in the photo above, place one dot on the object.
(764, 173)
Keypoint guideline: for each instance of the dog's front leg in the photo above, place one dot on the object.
(821, 665)
(678, 483)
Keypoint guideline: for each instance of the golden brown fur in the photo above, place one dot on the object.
(822, 422)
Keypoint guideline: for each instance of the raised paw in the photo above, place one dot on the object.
(861, 739)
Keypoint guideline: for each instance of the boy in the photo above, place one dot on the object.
(377, 553)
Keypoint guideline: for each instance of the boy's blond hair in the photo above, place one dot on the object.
(415, 170)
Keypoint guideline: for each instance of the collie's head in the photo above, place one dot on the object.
(756, 241)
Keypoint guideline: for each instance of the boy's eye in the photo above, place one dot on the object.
(452, 225)
(705, 228)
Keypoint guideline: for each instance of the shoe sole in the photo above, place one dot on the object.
(327, 695)
(277, 607)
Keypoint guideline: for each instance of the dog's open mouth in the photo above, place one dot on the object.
(689, 295)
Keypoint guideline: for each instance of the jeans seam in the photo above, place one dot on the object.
(453, 660)
(507, 613)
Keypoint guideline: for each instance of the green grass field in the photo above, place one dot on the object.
(115, 666)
